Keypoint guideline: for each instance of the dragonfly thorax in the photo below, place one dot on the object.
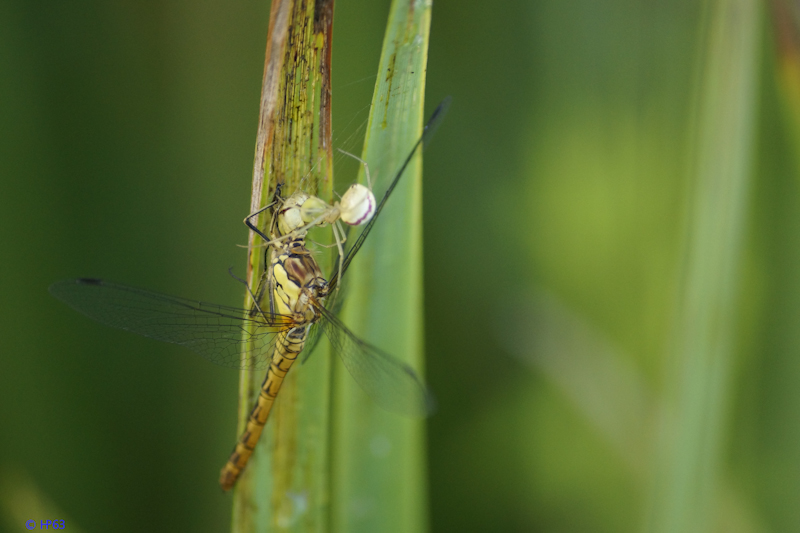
(298, 282)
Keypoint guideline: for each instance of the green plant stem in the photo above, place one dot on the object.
(285, 486)
(379, 481)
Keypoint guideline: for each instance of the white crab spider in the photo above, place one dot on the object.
(300, 212)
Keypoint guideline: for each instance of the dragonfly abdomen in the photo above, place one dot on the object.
(287, 349)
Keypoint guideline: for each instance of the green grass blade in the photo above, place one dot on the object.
(378, 458)
(285, 486)
(686, 490)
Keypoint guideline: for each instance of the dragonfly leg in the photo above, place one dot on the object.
(253, 296)
(276, 200)
(252, 226)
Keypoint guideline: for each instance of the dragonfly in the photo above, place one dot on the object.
(301, 212)
(289, 308)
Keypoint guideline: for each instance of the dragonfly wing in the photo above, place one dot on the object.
(334, 305)
(314, 335)
(224, 335)
(392, 384)
(427, 134)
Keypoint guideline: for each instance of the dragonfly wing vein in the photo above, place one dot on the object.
(392, 384)
(216, 332)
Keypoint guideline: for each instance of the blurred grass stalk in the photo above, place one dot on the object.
(379, 467)
(684, 496)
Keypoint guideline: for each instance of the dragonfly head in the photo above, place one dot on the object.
(318, 288)
(313, 293)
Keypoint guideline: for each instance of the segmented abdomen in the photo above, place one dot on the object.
(288, 347)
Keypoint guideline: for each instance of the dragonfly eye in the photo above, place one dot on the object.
(321, 287)
(318, 288)
(357, 205)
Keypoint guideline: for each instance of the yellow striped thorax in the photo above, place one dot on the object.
(297, 282)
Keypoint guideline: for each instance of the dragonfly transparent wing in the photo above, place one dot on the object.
(392, 384)
(427, 134)
(312, 341)
(224, 335)
(333, 303)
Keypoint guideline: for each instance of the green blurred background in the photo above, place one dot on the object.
(557, 204)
